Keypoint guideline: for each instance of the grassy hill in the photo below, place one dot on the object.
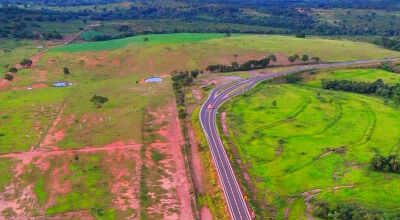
(316, 144)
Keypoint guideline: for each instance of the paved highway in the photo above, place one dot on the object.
(233, 195)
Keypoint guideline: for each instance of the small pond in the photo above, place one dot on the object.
(153, 79)
(62, 84)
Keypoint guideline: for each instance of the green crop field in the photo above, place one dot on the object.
(316, 140)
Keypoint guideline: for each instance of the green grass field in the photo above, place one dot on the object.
(287, 148)
(138, 41)
(328, 50)
(366, 75)
(114, 69)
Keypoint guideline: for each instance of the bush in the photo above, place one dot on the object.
(13, 70)
(292, 78)
(182, 113)
(156, 156)
(248, 65)
(378, 88)
(324, 210)
(300, 35)
(390, 163)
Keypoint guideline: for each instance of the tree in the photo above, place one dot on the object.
(235, 65)
(194, 73)
(296, 56)
(292, 59)
(274, 103)
(26, 63)
(98, 101)
(13, 70)
(76, 158)
(272, 58)
(292, 78)
(235, 56)
(146, 39)
(304, 58)
(316, 59)
(66, 71)
(300, 35)
(9, 77)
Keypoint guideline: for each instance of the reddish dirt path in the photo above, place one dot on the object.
(4, 84)
(119, 145)
(205, 214)
(176, 184)
(223, 123)
(179, 179)
(35, 86)
(196, 162)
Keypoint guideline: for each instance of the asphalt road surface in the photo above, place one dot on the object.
(234, 197)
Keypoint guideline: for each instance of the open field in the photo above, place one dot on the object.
(328, 50)
(12, 52)
(43, 128)
(314, 144)
(130, 164)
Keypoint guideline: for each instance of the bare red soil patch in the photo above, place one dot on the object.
(205, 214)
(151, 65)
(177, 184)
(125, 182)
(4, 84)
(35, 86)
(223, 123)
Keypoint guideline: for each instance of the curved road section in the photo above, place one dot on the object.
(234, 197)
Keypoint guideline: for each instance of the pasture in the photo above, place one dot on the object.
(315, 142)
(43, 128)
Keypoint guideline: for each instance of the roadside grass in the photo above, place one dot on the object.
(284, 145)
(213, 197)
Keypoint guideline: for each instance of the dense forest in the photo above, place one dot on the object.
(27, 18)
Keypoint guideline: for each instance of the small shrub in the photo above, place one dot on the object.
(292, 78)
(156, 156)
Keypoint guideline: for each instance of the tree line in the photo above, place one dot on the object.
(390, 163)
(180, 80)
(388, 43)
(378, 88)
(248, 65)
(330, 211)
(390, 66)
(284, 17)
